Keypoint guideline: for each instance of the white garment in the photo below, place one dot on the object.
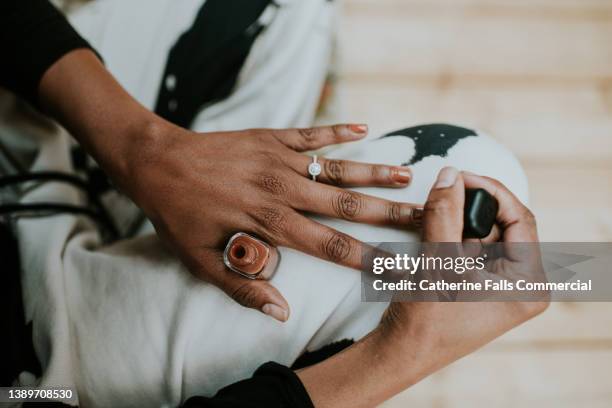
(278, 86)
(127, 325)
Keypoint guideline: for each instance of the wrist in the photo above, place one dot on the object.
(150, 160)
(110, 124)
(369, 372)
(127, 148)
(405, 353)
(140, 159)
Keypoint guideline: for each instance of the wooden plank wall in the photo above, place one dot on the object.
(536, 75)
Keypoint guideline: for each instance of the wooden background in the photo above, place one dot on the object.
(536, 75)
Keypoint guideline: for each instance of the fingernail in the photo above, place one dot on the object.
(359, 129)
(275, 311)
(401, 175)
(446, 177)
(469, 173)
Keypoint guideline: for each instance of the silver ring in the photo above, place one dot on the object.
(314, 168)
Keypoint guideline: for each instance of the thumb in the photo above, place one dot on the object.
(252, 293)
(256, 294)
(443, 211)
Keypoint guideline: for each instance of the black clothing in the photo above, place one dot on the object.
(33, 36)
(272, 385)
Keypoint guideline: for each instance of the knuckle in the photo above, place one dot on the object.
(347, 205)
(498, 185)
(337, 247)
(530, 310)
(338, 130)
(272, 221)
(529, 216)
(335, 170)
(272, 184)
(379, 173)
(394, 211)
(308, 134)
(245, 294)
(496, 182)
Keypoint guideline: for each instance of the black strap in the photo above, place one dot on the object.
(204, 64)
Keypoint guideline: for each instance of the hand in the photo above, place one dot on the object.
(414, 339)
(452, 329)
(199, 189)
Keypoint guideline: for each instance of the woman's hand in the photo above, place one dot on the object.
(200, 189)
(414, 339)
(457, 328)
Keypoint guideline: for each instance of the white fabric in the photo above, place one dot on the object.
(126, 324)
(278, 86)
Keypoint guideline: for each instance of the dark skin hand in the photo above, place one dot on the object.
(415, 339)
(199, 189)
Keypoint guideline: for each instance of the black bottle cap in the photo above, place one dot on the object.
(479, 214)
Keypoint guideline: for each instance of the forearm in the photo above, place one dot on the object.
(369, 372)
(83, 96)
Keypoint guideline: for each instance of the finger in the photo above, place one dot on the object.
(516, 221)
(348, 173)
(326, 243)
(443, 211)
(291, 229)
(350, 205)
(302, 140)
(476, 244)
(251, 293)
(494, 236)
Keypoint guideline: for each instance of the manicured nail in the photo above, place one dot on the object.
(401, 175)
(359, 129)
(275, 311)
(446, 177)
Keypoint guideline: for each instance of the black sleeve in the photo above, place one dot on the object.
(33, 35)
(272, 385)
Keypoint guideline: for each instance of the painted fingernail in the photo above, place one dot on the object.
(275, 311)
(359, 129)
(446, 177)
(401, 175)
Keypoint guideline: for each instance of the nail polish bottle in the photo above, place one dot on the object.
(479, 213)
(250, 257)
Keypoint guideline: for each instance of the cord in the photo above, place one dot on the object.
(57, 208)
(12, 179)
(75, 181)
